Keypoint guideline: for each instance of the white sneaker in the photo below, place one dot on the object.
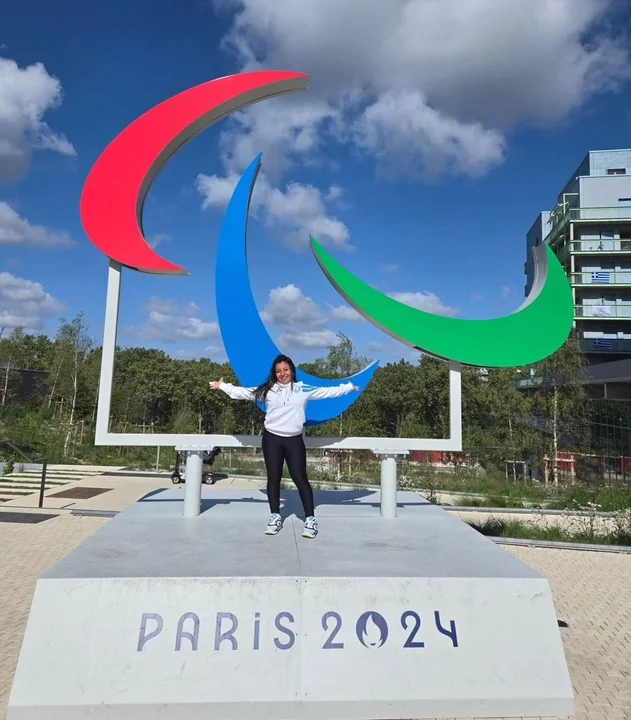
(311, 528)
(274, 524)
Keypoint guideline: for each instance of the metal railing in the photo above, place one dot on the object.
(601, 277)
(605, 345)
(587, 214)
(600, 246)
(43, 461)
(601, 311)
(617, 212)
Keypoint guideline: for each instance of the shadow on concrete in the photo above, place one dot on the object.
(350, 497)
(290, 500)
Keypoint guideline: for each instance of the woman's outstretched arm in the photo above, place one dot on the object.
(233, 391)
(322, 393)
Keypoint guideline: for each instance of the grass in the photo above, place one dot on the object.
(493, 490)
(608, 499)
(496, 527)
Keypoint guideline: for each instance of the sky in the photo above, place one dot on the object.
(432, 134)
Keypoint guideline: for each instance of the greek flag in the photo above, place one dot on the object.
(601, 278)
(607, 344)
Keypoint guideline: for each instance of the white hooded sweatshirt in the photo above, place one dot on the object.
(285, 404)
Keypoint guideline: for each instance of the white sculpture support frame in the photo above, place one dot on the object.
(193, 444)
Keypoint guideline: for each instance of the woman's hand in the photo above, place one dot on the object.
(355, 388)
(214, 384)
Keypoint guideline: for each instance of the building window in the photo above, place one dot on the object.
(616, 171)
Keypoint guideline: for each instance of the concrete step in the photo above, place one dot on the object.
(27, 482)
(22, 484)
(63, 473)
(49, 476)
(12, 485)
(52, 473)
(37, 478)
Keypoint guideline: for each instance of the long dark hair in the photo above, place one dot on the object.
(261, 391)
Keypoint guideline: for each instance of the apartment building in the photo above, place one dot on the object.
(589, 230)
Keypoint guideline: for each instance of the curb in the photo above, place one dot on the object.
(558, 545)
(95, 513)
(527, 511)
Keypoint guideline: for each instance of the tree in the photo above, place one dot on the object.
(341, 361)
(561, 400)
(494, 416)
(7, 361)
(433, 390)
(74, 344)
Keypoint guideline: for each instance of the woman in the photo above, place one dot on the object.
(283, 440)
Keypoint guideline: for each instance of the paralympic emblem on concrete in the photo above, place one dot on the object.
(372, 629)
(227, 630)
(112, 205)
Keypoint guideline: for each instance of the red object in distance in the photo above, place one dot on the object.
(117, 186)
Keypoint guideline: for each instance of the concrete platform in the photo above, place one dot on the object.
(418, 616)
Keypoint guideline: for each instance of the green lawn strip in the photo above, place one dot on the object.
(479, 491)
(520, 529)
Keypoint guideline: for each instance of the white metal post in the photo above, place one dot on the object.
(455, 406)
(193, 486)
(388, 486)
(110, 328)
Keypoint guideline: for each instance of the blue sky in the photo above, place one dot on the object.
(431, 136)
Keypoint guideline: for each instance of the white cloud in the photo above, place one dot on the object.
(217, 353)
(506, 291)
(376, 347)
(391, 268)
(288, 308)
(26, 95)
(308, 340)
(302, 319)
(335, 193)
(158, 239)
(170, 307)
(410, 138)
(25, 303)
(16, 230)
(172, 321)
(299, 210)
(282, 129)
(436, 83)
(345, 314)
(427, 301)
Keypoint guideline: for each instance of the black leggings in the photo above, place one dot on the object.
(277, 450)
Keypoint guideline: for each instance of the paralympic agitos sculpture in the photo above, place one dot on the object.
(111, 211)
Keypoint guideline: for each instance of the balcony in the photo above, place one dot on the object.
(587, 214)
(602, 311)
(600, 247)
(606, 345)
(619, 212)
(601, 277)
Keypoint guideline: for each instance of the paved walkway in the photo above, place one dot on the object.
(592, 593)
